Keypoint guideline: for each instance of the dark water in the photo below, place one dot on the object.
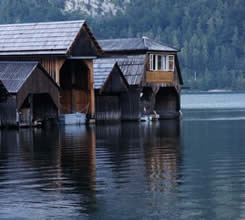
(194, 169)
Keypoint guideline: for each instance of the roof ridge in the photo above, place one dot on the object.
(144, 38)
(130, 38)
(49, 22)
(24, 62)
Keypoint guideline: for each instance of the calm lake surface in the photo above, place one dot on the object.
(194, 169)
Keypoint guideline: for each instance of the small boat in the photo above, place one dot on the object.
(144, 118)
(154, 116)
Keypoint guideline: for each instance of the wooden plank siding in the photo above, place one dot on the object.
(108, 108)
(50, 63)
(8, 112)
(91, 93)
(160, 76)
(130, 104)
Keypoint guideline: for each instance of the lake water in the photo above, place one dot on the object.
(192, 169)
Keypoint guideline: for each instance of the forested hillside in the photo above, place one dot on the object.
(210, 33)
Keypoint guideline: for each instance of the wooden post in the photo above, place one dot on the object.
(31, 108)
(58, 64)
(89, 64)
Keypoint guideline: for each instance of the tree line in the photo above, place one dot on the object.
(209, 33)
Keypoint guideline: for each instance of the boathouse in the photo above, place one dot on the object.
(153, 73)
(32, 96)
(65, 49)
(110, 85)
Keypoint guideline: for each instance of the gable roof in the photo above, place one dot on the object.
(133, 44)
(14, 74)
(102, 70)
(132, 67)
(41, 38)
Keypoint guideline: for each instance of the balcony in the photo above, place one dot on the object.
(159, 76)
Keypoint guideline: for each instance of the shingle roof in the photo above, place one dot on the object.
(102, 69)
(133, 44)
(40, 38)
(133, 68)
(14, 74)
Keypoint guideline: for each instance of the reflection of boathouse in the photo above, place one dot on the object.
(153, 73)
(163, 156)
(65, 49)
(30, 94)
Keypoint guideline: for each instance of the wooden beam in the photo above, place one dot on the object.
(160, 76)
(58, 64)
(90, 65)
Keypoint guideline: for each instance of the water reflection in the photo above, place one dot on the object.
(128, 170)
(213, 183)
(140, 159)
(162, 155)
(88, 172)
(188, 170)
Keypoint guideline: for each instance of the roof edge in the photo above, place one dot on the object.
(49, 22)
(84, 25)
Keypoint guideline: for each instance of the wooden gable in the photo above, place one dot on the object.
(115, 82)
(85, 44)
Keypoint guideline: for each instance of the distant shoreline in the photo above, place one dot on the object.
(212, 91)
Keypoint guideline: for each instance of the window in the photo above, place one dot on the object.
(164, 66)
(160, 62)
(171, 63)
(154, 62)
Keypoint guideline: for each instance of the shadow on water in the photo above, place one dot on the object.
(92, 172)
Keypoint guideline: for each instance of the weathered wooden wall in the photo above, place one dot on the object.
(83, 45)
(38, 83)
(3, 92)
(8, 112)
(51, 64)
(75, 87)
(90, 82)
(130, 104)
(107, 108)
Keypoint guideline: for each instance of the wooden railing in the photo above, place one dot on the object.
(159, 76)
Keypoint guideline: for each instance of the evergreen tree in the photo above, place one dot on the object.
(209, 33)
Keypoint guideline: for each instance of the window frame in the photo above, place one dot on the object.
(166, 62)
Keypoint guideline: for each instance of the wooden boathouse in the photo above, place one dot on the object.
(153, 73)
(110, 85)
(65, 49)
(31, 95)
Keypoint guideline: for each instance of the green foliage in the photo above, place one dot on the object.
(210, 33)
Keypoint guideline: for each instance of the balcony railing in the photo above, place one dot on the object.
(160, 76)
